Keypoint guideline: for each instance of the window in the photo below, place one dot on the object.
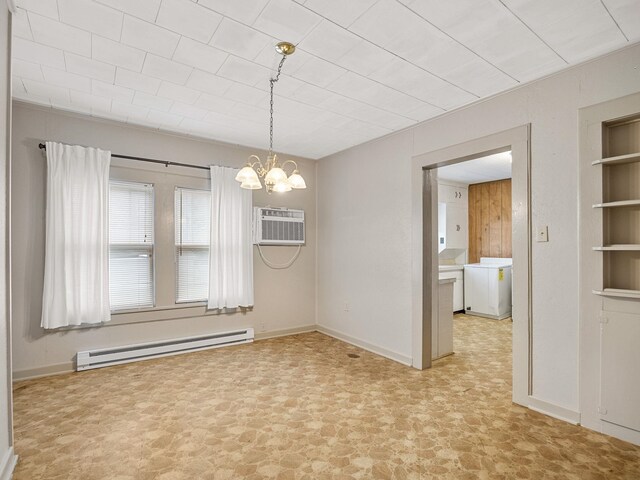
(192, 217)
(130, 245)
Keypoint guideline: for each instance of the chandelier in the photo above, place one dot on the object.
(275, 178)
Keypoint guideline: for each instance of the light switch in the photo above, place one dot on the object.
(542, 234)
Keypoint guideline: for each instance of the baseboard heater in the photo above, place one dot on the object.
(106, 357)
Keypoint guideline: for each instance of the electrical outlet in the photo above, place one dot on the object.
(542, 234)
(262, 327)
(346, 306)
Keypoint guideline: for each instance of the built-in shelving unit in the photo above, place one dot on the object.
(620, 207)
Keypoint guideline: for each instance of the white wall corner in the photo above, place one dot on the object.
(554, 411)
(7, 464)
(12, 6)
(383, 352)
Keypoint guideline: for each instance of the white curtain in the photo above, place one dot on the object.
(231, 254)
(76, 266)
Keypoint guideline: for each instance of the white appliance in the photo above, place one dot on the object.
(487, 288)
(278, 226)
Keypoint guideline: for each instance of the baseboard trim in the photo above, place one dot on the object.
(8, 464)
(47, 371)
(554, 411)
(391, 355)
(285, 332)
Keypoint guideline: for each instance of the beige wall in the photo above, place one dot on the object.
(284, 299)
(365, 218)
(7, 458)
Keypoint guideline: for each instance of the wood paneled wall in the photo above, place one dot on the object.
(490, 220)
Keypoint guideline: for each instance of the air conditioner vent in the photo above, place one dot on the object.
(278, 226)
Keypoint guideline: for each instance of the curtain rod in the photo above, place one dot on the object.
(166, 163)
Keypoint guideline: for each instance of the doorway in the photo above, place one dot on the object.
(474, 257)
(425, 246)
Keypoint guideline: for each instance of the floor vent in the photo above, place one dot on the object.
(106, 357)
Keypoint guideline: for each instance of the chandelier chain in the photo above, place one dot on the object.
(272, 82)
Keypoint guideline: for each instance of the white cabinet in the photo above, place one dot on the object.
(620, 388)
(452, 227)
(457, 235)
(442, 327)
(458, 287)
(453, 194)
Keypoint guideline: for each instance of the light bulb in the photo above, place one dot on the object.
(275, 175)
(282, 186)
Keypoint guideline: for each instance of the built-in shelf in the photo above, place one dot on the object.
(619, 248)
(616, 292)
(628, 158)
(622, 203)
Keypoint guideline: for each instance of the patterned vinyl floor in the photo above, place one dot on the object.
(299, 407)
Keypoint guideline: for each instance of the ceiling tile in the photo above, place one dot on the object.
(164, 119)
(159, 67)
(189, 19)
(339, 11)
(136, 81)
(91, 16)
(188, 111)
(329, 41)
(31, 71)
(208, 83)
(34, 52)
(242, 11)
(577, 30)
(178, 93)
(365, 58)
(90, 101)
(144, 9)
(245, 94)
(48, 8)
(214, 102)
(42, 89)
(128, 110)
(286, 21)
(407, 77)
(115, 92)
(55, 34)
(244, 71)
(318, 72)
(199, 55)
(240, 40)
(148, 37)
(17, 88)
(108, 51)
(89, 67)
(151, 101)
(53, 76)
(20, 24)
(491, 30)
(627, 14)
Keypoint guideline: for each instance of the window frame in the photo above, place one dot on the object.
(177, 302)
(151, 246)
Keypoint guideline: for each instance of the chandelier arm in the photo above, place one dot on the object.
(272, 82)
(295, 165)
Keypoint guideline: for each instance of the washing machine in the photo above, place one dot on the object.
(487, 288)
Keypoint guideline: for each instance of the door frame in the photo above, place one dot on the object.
(425, 253)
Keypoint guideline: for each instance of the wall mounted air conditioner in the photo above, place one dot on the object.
(278, 226)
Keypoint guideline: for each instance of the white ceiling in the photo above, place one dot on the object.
(478, 170)
(363, 68)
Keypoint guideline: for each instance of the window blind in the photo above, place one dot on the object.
(193, 218)
(130, 245)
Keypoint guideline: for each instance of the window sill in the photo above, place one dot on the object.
(177, 306)
(169, 312)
